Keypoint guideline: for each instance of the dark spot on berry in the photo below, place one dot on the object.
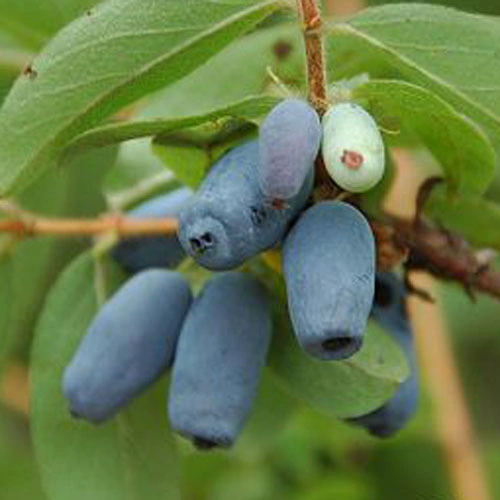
(282, 50)
(337, 343)
(201, 243)
(207, 239)
(75, 415)
(258, 215)
(30, 72)
(278, 204)
(203, 444)
(352, 159)
(384, 295)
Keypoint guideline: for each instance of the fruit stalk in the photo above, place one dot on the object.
(316, 74)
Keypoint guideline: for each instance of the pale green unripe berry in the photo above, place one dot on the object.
(352, 147)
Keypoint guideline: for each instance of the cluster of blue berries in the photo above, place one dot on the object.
(254, 198)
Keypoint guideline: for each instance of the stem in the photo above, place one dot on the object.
(14, 389)
(453, 423)
(14, 61)
(122, 226)
(316, 73)
(344, 7)
(143, 189)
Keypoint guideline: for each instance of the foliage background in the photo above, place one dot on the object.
(288, 450)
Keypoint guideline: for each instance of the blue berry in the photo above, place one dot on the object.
(289, 142)
(221, 351)
(129, 344)
(230, 220)
(389, 311)
(329, 269)
(137, 254)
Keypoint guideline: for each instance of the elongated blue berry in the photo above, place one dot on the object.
(352, 148)
(221, 351)
(137, 254)
(129, 344)
(389, 310)
(229, 219)
(329, 269)
(289, 142)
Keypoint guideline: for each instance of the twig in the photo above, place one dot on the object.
(454, 428)
(344, 7)
(14, 62)
(15, 393)
(445, 255)
(316, 72)
(453, 423)
(34, 226)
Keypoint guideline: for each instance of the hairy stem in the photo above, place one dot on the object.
(316, 70)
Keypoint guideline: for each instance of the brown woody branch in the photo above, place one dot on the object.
(316, 72)
(418, 246)
(441, 253)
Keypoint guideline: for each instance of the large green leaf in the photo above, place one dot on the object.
(72, 191)
(103, 61)
(474, 218)
(189, 154)
(462, 148)
(340, 388)
(204, 91)
(212, 86)
(137, 175)
(33, 22)
(452, 53)
(133, 456)
(250, 108)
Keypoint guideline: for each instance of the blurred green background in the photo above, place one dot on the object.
(291, 452)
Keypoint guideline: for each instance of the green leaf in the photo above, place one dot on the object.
(461, 147)
(250, 108)
(341, 388)
(474, 218)
(188, 163)
(33, 22)
(124, 50)
(6, 280)
(452, 53)
(136, 176)
(131, 457)
(272, 410)
(189, 154)
(212, 85)
(18, 470)
(35, 262)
